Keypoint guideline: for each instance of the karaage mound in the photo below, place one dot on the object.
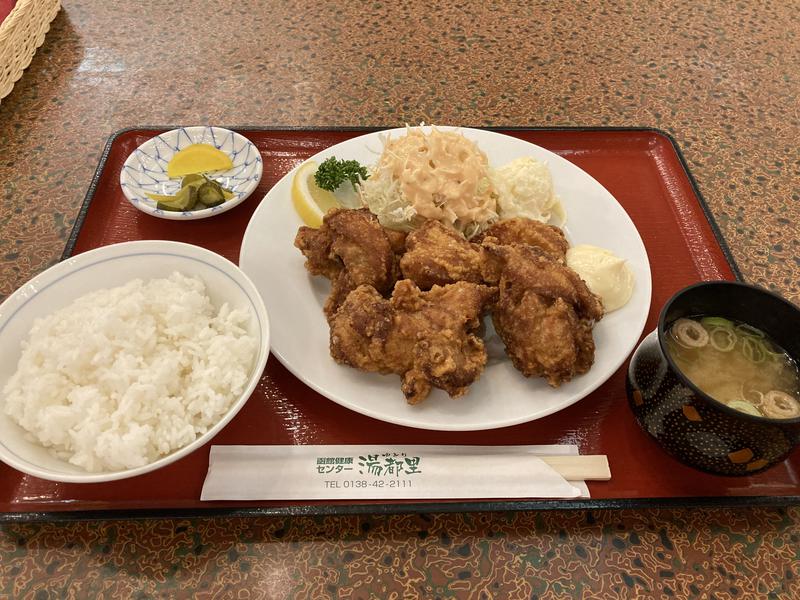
(428, 338)
(441, 284)
(549, 238)
(351, 249)
(437, 255)
(545, 313)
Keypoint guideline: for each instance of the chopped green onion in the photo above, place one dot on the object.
(745, 329)
(753, 350)
(753, 396)
(772, 351)
(716, 322)
(745, 407)
(780, 405)
(722, 339)
(689, 333)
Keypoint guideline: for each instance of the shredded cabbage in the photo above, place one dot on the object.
(439, 175)
(384, 198)
(446, 177)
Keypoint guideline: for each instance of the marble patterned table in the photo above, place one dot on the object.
(720, 77)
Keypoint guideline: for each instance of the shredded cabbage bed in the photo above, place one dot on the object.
(521, 188)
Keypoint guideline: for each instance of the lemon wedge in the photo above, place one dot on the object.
(198, 158)
(310, 201)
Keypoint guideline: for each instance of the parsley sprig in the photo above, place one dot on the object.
(333, 172)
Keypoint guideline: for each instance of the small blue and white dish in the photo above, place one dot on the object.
(145, 170)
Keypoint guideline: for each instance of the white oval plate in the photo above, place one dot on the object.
(502, 396)
(145, 170)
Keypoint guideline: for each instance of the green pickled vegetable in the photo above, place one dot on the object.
(167, 207)
(194, 178)
(184, 200)
(210, 194)
(159, 197)
(197, 192)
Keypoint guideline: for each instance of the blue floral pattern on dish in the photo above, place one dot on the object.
(145, 170)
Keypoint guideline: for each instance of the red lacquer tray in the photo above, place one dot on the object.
(642, 168)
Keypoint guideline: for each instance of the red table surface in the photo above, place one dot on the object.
(640, 167)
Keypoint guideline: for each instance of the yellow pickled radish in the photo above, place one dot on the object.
(310, 201)
(198, 158)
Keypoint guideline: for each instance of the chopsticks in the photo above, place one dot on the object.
(590, 467)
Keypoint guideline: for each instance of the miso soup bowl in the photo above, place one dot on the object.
(693, 427)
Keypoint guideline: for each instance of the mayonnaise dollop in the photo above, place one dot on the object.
(606, 274)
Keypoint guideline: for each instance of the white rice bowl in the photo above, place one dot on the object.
(125, 358)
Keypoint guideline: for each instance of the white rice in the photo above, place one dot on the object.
(123, 376)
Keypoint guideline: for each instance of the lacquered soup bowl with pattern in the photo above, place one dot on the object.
(689, 424)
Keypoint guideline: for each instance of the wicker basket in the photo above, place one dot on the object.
(21, 33)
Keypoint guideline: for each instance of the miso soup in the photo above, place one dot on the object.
(736, 364)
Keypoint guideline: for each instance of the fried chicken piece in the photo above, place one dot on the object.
(528, 231)
(428, 338)
(545, 313)
(397, 239)
(315, 244)
(438, 255)
(532, 268)
(350, 248)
